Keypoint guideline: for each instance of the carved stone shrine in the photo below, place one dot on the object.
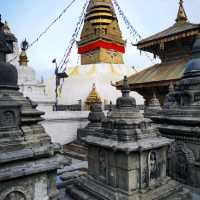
(28, 159)
(127, 159)
(180, 120)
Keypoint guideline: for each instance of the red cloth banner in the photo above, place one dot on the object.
(100, 44)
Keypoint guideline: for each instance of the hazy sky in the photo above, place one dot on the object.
(28, 18)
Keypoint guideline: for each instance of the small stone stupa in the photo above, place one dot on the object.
(153, 107)
(28, 159)
(95, 117)
(29, 85)
(180, 120)
(126, 159)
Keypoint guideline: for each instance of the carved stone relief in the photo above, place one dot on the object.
(102, 164)
(9, 118)
(182, 165)
(179, 158)
(15, 195)
(153, 167)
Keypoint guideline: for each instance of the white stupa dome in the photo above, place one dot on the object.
(82, 77)
(26, 74)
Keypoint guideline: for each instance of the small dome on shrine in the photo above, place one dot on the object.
(196, 46)
(193, 65)
(8, 72)
(8, 75)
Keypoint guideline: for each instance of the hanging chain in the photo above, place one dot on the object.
(48, 27)
(62, 66)
(134, 33)
(67, 54)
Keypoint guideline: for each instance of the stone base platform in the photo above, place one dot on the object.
(87, 188)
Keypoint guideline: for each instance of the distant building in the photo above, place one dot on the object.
(30, 86)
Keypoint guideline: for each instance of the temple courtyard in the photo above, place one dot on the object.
(117, 117)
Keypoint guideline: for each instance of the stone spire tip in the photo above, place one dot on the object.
(125, 87)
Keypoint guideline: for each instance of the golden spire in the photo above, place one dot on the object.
(100, 12)
(92, 98)
(181, 16)
(101, 38)
(23, 59)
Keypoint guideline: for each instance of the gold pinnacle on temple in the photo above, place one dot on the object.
(23, 59)
(92, 98)
(101, 38)
(181, 16)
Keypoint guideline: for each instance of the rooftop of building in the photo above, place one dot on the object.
(181, 29)
(174, 57)
(164, 72)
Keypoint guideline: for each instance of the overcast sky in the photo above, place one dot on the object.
(28, 18)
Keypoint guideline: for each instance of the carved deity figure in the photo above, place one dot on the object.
(15, 196)
(154, 168)
(9, 118)
(170, 100)
(182, 165)
(102, 164)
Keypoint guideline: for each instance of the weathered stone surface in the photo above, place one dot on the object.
(95, 117)
(127, 159)
(180, 120)
(28, 158)
(153, 108)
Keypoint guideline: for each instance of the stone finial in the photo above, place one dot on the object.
(181, 16)
(96, 114)
(125, 87)
(125, 100)
(24, 45)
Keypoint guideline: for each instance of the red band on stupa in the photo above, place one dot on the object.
(100, 44)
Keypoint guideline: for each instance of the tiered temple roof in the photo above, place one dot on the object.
(173, 46)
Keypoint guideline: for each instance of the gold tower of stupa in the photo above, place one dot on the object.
(101, 48)
(92, 98)
(101, 38)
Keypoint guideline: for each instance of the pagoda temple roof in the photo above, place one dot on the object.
(177, 31)
(181, 29)
(160, 74)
